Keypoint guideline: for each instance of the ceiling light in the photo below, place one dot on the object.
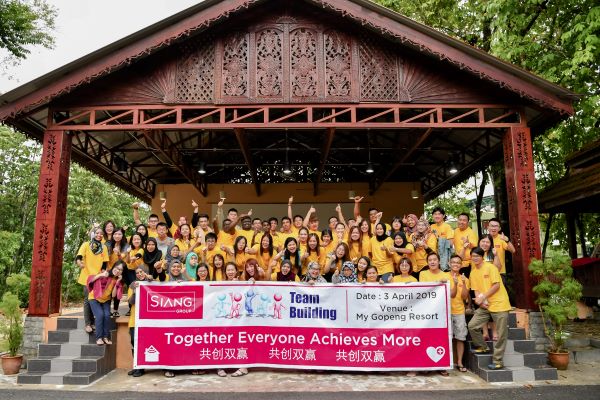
(287, 168)
(202, 169)
(370, 169)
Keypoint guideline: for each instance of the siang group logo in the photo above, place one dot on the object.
(171, 302)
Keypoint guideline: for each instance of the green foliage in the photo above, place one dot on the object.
(24, 23)
(11, 326)
(19, 285)
(453, 202)
(558, 40)
(557, 294)
(90, 199)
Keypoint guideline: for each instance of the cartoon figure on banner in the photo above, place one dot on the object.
(236, 299)
(219, 307)
(277, 306)
(263, 306)
(250, 295)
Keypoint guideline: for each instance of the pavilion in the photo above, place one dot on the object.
(239, 89)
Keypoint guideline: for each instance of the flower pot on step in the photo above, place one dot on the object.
(559, 361)
(11, 365)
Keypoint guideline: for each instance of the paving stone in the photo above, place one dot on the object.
(522, 374)
(53, 378)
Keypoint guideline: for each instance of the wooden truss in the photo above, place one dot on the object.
(350, 116)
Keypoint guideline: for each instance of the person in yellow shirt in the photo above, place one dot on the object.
(464, 239)
(355, 244)
(208, 252)
(327, 242)
(240, 253)
(459, 292)
(401, 249)
(265, 251)
(492, 299)
(91, 258)
(290, 252)
(335, 260)
(445, 237)
(424, 242)
(218, 267)
(383, 259)
(152, 220)
(433, 273)
(141, 276)
(501, 244)
(303, 238)
(361, 268)
(313, 253)
(285, 275)
(365, 235)
(404, 269)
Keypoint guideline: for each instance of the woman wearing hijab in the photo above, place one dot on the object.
(383, 259)
(151, 255)
(348, 274)
(285, 273)
(91, 258)
(191, 265)
(410, 225)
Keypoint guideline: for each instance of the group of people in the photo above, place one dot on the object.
(237, 246)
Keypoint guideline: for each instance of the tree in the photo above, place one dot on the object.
(90, 199)
(558, 40)
(24, 23)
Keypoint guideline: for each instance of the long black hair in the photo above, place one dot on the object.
(287, 255)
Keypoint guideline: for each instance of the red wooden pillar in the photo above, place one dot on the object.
(522, 210)
(49, 233)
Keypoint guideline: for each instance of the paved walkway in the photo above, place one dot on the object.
(301, 381)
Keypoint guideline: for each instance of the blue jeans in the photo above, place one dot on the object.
(102, 315)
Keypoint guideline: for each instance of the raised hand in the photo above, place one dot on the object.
(220, 203)
(290, 200)
(358, 199)
(194, 204)
(250, 213)
(163, 205)
(135, 205)
(338, 208)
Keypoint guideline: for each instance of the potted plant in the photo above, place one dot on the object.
(11, 328)
(557, 295)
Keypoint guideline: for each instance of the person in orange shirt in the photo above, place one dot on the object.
(459, 293)
(502, 243)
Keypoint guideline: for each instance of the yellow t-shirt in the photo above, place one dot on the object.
(278, 241)
(457, 304)
(92, 262)
(404, 279)
(501, 247)
(248, 234)
(210, 254)
(388, 228)
(443, 230)
(152, 232)
(217, 275)
(321, 259)
(355, 252)
(106, 293)
(366, 245)
(482, 279)
(184, 245)
(421, 254)
(131, 323)
(428, 276)
(398, 257)
(459, 244)
(240, 260)
(224, 238)
(381, 258)
(135, 261)
(264, 259)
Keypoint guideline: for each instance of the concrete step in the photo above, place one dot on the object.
(518, 374)
(516, 334)
(39, 365)
(30, 378)
(87, 365)
(581, 355)
(69, 323)
(53, 378)
(80, 378)
(62, 364)
(71, 336)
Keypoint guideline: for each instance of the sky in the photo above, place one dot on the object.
(83, 26)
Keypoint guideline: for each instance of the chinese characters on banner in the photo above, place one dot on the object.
(343, 327)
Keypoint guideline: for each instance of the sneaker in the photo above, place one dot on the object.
(137, 373)
(495, 366)
(128, 313)
(130, 372)
(481, 350)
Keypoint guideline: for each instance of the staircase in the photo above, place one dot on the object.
(71, 356)
(521, 362)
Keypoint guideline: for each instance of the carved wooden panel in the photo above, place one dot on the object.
(303, 60)
(269, 63)
(278, 58)
(338, 65)
(195, 80)
(378, 72)
(235, 65)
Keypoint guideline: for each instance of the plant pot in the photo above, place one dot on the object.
(559, 361)
(12, 365)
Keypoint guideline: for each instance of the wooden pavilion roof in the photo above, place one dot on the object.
(450, 103)
(579, 190)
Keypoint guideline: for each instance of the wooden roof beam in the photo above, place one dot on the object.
(166, 147)
(241, 138)
(378, 182)
(326, 148)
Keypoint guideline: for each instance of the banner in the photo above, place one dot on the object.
(200, 325)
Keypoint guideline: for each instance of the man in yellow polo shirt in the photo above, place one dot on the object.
(501, 242)
(464, 239)
(492, 299)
